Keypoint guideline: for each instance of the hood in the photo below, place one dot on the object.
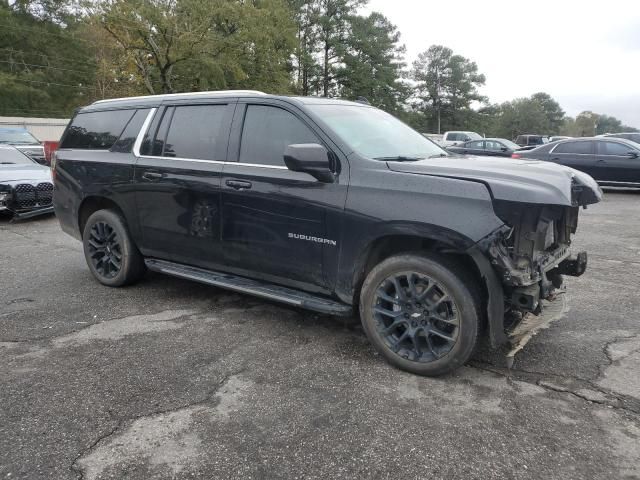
(527, 181)
(24, 173)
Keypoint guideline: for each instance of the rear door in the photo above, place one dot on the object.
(177, 182)
(617, 162)
(475, 148)
(279, 225)
(578, 154)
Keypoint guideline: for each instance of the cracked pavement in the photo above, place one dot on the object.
(172, 379)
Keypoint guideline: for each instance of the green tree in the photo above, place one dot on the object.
(446, 85)
(333, 31)
(45, 68)
(306, 66)
(183, 45)
(520, 116)
(552, 111)
(538, 114)
(372, 63)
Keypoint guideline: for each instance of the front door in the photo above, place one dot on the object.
(616, 163)
(177, 182)
(278, 224)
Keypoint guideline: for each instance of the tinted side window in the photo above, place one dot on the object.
(267, 132)
(195, 132)
(161, 134)
(477, 145)
(575, 148)
(612, 148)
(493, 145)
(128, 137)
(96, 130)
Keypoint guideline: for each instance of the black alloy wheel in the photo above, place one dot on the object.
(105, 249)
(416, 317)
(422, 312)
(110, 252)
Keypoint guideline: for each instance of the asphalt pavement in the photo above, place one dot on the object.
(171, 379)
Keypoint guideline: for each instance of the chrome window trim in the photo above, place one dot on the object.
(143, 130)
(258, 165)
(621, 183)
(612, 155)
(181, 159)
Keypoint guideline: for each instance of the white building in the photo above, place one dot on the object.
(41, 128)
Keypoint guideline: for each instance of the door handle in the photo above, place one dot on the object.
(152, 176)
(238, 184)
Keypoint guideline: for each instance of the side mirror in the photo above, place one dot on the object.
(633, 154)
(311, 158)
(504, 149)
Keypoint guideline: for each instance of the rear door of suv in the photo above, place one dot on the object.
(177, 181)
(278, 224)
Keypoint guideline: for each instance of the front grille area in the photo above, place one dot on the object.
(30, 196)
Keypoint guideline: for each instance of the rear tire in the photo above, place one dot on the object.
(419, 314)
(110, 253)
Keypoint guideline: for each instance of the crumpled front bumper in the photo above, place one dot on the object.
(519, 335)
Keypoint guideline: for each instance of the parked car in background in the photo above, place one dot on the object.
(496, 147)
(633, 136)
(613, 162)
(21, 139)
(26, 187)
(531, 141)
(558, 137)
(456, 137)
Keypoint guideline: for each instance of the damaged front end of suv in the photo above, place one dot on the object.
(531, 253)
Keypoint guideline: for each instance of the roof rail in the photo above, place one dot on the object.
(173, 95)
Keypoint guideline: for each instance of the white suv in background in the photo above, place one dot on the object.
(456, 137)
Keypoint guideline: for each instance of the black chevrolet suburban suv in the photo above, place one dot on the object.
(323, 204)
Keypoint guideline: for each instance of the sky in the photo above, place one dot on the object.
(585, 54)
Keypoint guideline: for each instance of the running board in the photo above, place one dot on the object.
(266, 290)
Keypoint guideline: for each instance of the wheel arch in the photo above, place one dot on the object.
(92, 204)
(454, 248)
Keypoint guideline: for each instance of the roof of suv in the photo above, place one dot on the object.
(156, 100)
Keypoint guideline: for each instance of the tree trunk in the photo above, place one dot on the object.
(325, 81)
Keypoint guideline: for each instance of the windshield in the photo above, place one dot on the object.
(15, 137)
(11, 156)
(509, 144)
(473, 136)
(376, 134)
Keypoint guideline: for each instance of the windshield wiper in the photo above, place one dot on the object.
(399, 158)
(438, 155)
(7, 163)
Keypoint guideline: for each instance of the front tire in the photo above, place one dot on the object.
(110, 253)
(419, 314)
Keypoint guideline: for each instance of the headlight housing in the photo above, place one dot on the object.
(5, 197)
